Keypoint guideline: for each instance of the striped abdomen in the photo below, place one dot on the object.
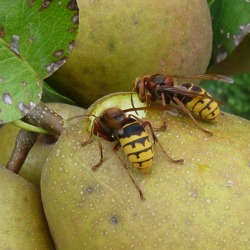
(136, 145)
(205, 108)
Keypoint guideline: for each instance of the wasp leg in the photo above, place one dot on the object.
(101, 156)
(116, 147)
(91, 134)
(157, 141)
(184, 109)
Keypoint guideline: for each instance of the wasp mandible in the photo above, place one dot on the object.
(189, 97)
(129, 133)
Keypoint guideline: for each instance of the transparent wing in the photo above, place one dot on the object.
(214, 77)
(180, 90)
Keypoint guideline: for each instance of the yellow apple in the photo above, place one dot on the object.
(23, 224)
(201, 204)
(121, 40)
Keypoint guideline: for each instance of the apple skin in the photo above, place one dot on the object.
(32, 167)
(202, 204)
(23, 223)
(121, 40)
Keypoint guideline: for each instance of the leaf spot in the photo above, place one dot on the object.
(72, 5)
(25, 109)
(31, 39)
(31, 3)
(15, 43)
(221, 53)
(24, 84)
(1, 79)
(45, 5)
(75, 19)
(244, 30)
(71, 46)
(58, 53)
(2, 32)
(55, 65)
(7, 99)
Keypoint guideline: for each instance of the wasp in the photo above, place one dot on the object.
(190, 98)
(129, 134)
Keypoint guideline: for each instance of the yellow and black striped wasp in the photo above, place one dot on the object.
(189, 97)
(129, 133)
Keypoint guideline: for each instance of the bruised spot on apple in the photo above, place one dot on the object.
(121, 40)
(202, 204)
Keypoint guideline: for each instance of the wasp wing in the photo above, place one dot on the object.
(181, 90)
(213, 77)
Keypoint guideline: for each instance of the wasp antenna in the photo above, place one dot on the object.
(91, 133)
(230, 80)
(221, 78)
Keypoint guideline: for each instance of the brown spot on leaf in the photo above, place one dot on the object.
(72, 5)
(2, 32)
(31, 39)
(71, 30)
(45, 5)
(31, 3)
(71, 45)
(55, 65)
(58, 53)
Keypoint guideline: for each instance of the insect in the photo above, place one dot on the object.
(190, 98)
(129, 133)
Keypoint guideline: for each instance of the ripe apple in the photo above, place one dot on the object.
(201, 204)
(23, 224)
(121, 40)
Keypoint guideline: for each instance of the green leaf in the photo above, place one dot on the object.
(36, 39)
(230, 20)
(237, 62)
(20, 86)
(42, 31)
(50, 95)
(230, 55)
(235, 96)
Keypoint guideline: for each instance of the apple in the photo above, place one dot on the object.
(201, 204)
(32, 167)
(23, 224)
(121, 40)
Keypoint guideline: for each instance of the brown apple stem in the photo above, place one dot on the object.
(44, 117)
(24, 142)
